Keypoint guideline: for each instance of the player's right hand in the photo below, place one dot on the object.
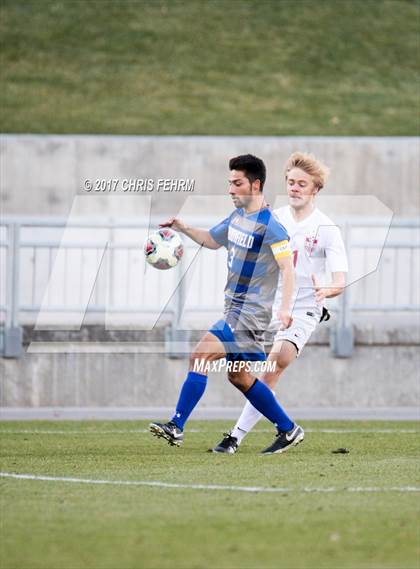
(285, 318)
(174, 223)
(320, 293)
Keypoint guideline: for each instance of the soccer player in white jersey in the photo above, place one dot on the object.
(317, 245)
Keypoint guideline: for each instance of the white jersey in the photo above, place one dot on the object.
(317, 248)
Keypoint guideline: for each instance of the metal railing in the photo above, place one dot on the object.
(32, 249)
(400, 236)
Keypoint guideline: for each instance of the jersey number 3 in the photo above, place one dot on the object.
(230, 257)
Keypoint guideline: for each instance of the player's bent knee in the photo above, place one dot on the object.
(195, 356)
(199, 360)
(238, 381)
(233, 378)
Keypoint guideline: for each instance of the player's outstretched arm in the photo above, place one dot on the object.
(288, 283)
(200, 236)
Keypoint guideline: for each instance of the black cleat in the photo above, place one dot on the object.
(168, 431)
(229, 445)
(285, 440)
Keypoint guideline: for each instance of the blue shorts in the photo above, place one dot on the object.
(239, 345)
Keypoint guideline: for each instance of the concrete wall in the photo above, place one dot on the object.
(383, 377)
(40, 175)
(383, 372)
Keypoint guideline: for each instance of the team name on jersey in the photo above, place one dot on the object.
(240, 238)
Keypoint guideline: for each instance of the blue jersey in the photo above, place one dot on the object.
(254, 242)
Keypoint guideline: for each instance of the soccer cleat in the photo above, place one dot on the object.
(285, 440)
(229, 445)
(168, 431)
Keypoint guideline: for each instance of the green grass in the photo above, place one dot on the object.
(53, 525)
(263, 67)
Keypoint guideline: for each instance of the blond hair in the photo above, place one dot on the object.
(309, 164)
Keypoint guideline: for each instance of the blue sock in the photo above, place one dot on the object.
(191, 393)
(262, 398)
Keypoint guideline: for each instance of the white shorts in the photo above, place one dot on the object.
(301, 329)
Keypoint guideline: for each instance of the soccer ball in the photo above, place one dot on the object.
(163, 249)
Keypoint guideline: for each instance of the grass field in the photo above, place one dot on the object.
(314, 509)
(266, 67)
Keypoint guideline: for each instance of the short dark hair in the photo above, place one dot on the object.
(253, 167)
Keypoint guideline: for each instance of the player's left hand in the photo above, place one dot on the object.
(285, 319)
(320, 292)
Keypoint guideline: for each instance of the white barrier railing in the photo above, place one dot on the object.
(106, 256)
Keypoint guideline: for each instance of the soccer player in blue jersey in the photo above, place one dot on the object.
(258, 247)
